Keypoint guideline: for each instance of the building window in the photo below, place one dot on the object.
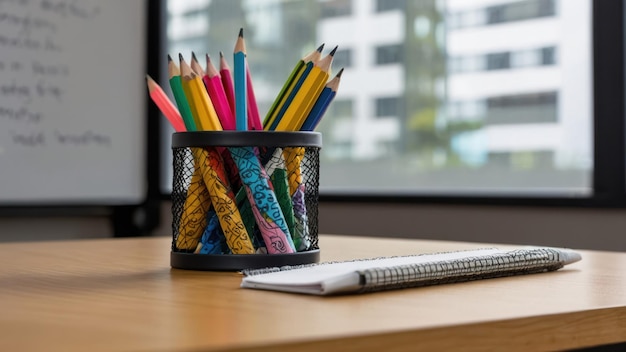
(335, 8)
(388, 5)
(389, 107)
(498, 61)
(521, 10)
(389, 54)
(548, 56)
(504, 60)
(343, 59)
(522, 108)
(341, 108)
(495, 14)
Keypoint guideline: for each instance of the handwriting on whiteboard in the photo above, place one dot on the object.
(35, 72)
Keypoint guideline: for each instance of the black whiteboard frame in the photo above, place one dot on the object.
(126, 219)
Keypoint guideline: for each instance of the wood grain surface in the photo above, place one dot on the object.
(122, 295)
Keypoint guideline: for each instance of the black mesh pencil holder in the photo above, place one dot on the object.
(243, 200)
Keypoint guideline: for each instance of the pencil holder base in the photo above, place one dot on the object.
(236, 262)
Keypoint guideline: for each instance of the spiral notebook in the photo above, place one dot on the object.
(388, 273)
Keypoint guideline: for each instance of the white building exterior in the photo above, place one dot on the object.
(568, 31)
(361, 32)
(470, 37)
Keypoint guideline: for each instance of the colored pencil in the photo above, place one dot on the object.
(212, 167)
(179, 94)
(199, 98)
(213, 83)
(227, 83)
(305, 97)
(326, 62)
(290, 95)
(197, 202)
(188, 96)
(254, 119)
(223, 201)
(166, 106)
(296, 108)
(270, 119)
(220, 102)
(241, 103)
(265, 207)
(322, 103)
(195, 65)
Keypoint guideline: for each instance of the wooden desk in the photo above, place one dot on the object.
(120, 294)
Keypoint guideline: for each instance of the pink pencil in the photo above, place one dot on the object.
(254, 120)
(227, 83)
(213, 83)
(166, 106)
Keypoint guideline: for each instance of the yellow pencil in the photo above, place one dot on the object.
(303, 101)
(193, 219)
(187, 90)
(199, 98)
(289, 85)
(307, 94)
(212, 166)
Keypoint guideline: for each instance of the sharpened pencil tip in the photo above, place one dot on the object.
(169, 58)
(321, 47)
(332, 53)
(208, 58)
(221, 54)
(193, 56)
(180, 57)
(340, 72)
(241, 32)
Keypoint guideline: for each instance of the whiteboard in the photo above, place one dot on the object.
(72, 101)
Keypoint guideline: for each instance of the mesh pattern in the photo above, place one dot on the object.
(200, 224)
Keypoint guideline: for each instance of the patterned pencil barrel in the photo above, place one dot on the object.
(265, 223)
(223, 201)
(293, 159)
(191, 217)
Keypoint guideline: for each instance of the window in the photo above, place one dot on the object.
(434, 113)
(389, 54)
(520, 10)
(342, 108)
(507, 12)
(498, 61)
(529, 57)
(387, 5)
(343, 58)
(548, 56)
(335, 8)
(388, 107)
(522, 108)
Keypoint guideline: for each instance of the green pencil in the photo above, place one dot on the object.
(179, 95)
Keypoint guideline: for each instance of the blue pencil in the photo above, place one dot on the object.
(239, 58)
(322, 103)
